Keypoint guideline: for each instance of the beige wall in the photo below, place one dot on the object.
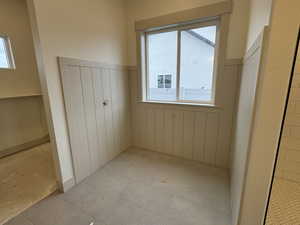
(93, 30)
(260, 13)
(22, 120)
(288, 166)
(14, 22)
(144, 9)
(271, 98)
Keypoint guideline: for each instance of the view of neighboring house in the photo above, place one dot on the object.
(196, 67)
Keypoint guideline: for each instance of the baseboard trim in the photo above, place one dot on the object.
(67, 185)
(24, 147)
(179, 157)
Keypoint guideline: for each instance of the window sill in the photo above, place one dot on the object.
(7, 69)
(20, 96)
(182, 103)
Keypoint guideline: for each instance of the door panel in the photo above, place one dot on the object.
(74, 104)
(97, 113)
(100, 114)
(90, 116)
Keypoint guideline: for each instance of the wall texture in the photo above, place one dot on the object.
(288, 166)
(93, 30)
(145, 9)
(197, 133)
(14, 22)
(260, 14)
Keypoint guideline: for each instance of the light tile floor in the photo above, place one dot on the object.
(140, 188)
(284, 206)
(25, 178)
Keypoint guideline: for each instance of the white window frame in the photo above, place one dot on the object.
(180, 28)
(9, 53)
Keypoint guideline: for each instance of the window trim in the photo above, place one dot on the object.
(185, 16)
(179, 28)
(9, 53)
(221, 10)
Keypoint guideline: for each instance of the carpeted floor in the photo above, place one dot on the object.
(25, 178)
(140, 188)
(285, 203)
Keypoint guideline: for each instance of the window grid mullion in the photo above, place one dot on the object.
(178, 65)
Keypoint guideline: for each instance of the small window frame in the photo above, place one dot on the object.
(212, 22)
(9, 53)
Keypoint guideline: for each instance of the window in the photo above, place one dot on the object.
(6, 58)
(180, 63)
(164, 81)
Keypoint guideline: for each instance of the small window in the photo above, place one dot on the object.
(6, 58)
(180, 63)
(164, 81)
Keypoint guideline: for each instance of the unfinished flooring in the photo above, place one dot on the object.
(140, 188)
(284, 206)
(26, 178)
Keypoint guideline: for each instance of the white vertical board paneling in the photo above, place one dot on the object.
(211, 137)
(188, 133)
(199, 138)
(73, 95)
(108, 113)
(159, 129)
(169, 132)
(90, 116)
(197, 133)
(178, 133)
(150, 135)
(100, 115)
(98, 132)
(243, 127)
(116, 108)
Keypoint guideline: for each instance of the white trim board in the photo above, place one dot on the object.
(184, 16)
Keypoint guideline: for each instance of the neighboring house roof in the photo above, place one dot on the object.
(200, 37)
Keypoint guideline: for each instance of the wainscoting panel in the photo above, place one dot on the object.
(243, 126)
(97, 101)
(197, 133)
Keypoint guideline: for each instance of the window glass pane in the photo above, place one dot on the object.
(168, 81)
(160, 81)
(162, 66)
(3, 54)
(197, 64)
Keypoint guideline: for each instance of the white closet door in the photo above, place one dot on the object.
(90, 102)
(108, 114)
(74, 103)
(100, 115)
(97, 107)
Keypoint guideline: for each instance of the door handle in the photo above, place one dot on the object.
(105, 102)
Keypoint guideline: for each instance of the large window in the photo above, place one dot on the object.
(6, 58)
(180, 63)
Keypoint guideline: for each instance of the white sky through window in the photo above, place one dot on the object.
(4, 63)
(207, 32)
